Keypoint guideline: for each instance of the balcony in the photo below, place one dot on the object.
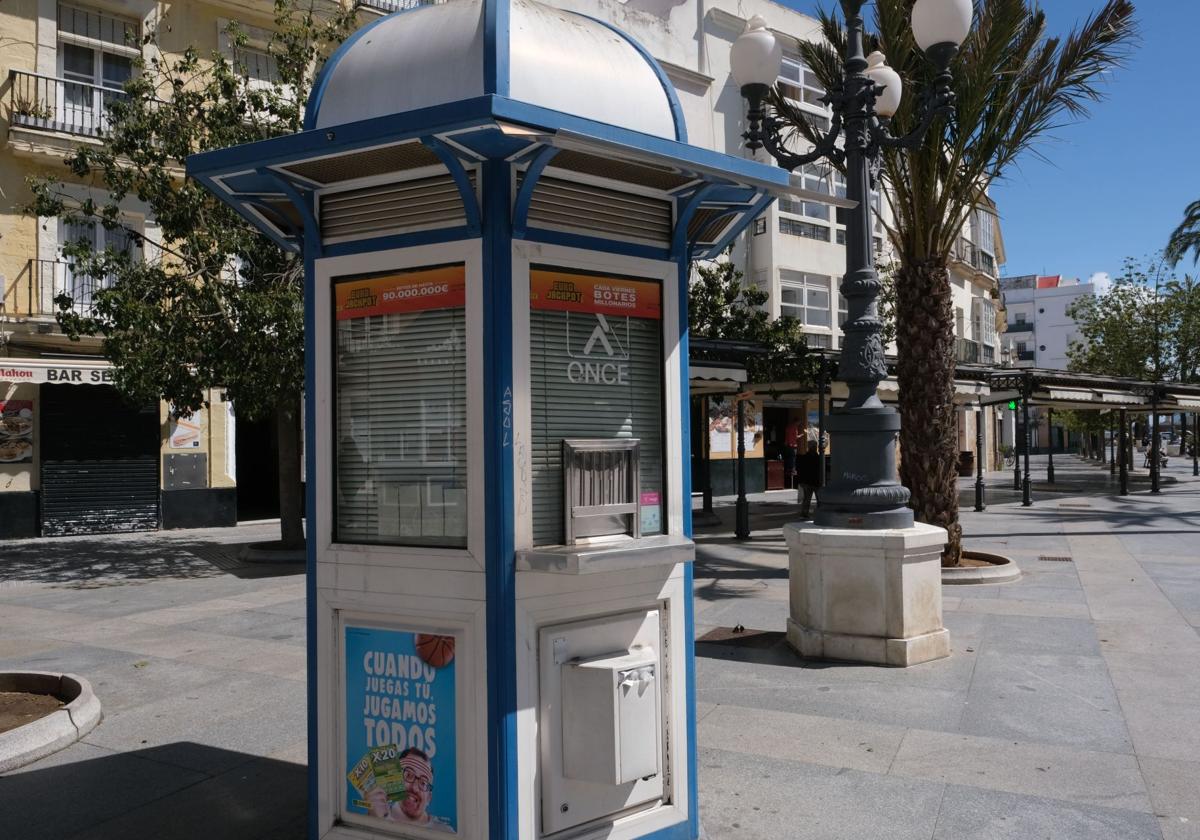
(45, 103)
(966, 351)
(31, 294)
(967, 253)
(1026, 356)
(1019, 327)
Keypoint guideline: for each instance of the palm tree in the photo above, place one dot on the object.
(1014, 85)
(1186, 237)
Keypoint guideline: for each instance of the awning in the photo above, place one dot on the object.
(56, 372)
(1186, 400)
(1073, 394)
(720, 378)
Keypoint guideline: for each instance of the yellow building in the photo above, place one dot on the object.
(74, 457)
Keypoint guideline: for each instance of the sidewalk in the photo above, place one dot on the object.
(1068, 709)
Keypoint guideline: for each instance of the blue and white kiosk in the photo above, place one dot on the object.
(497, 207)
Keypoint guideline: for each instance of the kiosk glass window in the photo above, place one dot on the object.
(597, 368)
(400, 408)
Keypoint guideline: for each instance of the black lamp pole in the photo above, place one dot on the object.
(1050, 449)
(1026, 501)
(822, 386)
(864, 491)
(741, 526)
(979, 500)
(1124, 444)
(1016, 449)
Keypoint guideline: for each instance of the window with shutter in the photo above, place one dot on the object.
(596, 373)
(401, 407)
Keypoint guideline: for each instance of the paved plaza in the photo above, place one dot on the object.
(1069, 708)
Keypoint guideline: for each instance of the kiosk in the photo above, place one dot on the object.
(497, 208)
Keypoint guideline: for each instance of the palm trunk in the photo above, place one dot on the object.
(287, 423)
(925, 366)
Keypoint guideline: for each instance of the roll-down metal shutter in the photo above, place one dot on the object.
(99, 462)
(574, 395)
(401, 419)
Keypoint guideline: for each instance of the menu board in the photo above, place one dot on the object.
(401, 762)
(16, 431)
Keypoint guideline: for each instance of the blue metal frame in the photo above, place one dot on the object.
(499, 517)
(668, 88)
(533, 174)
(455, 166)
(496, 45)
(310, 525)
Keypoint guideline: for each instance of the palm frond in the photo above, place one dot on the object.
(1186, 237)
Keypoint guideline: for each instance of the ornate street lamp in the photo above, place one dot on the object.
(864, 492)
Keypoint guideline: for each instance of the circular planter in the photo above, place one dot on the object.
(51, 733)
(1000, 569)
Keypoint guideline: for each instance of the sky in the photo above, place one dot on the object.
(1117, 183)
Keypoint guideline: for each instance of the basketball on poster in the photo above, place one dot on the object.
(400, 727)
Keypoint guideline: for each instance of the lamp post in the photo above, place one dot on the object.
(863, 492)
(979, 499)
(1050, 448)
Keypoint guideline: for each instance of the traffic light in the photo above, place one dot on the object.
(1012, 405)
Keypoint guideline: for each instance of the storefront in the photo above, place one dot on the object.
(78, 458)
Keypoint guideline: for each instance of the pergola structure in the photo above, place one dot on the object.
(975, 385)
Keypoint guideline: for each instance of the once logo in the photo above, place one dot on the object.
(612, 367)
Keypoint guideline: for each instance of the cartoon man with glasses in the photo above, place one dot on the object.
(418, 791)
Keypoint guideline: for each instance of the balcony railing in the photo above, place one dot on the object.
(1026, 356)
(51, 104)
(967, 252)
(967, 351)
(1019, 326)
(390, 6)
(33, 291)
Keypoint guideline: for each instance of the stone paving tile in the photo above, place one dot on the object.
(1045, 609)
(1084, 777)
(796, 737)
(1020, 634)
(745, 797)
(870, 702)
(1046, 698)
(128, 685)
(71, 659)
(261, 798)
(1146, 639)
(1174, 786)
(253, 624)
(973, 814)
(96, 785)
(1162, 727)
(1179, 828)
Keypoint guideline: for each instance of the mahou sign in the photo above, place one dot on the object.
(40, 373)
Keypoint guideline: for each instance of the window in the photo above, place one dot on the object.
(798, 83)
(984, 234)
(805, 297)
(760, 226)
(400, 452)
(96, 238)
(258, 65)
(95, 58)
(842, 311)
(983, 317)
(794, 227)
(596, 369)
(1020, 317)
(958, 322)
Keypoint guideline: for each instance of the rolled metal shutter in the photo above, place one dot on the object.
(587, 408)
(401, 420)
(100, 470)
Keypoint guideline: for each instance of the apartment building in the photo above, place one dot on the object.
(1039, 329)
(78, 458)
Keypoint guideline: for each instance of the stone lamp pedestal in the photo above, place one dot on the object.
(867, 596)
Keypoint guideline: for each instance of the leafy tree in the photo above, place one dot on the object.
(1014, 85)
(722, 306)
(1146, 326)
(1186, 237)
(213, 303)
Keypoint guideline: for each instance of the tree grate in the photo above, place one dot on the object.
(1054, 558)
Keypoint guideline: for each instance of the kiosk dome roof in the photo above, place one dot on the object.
(556, 59)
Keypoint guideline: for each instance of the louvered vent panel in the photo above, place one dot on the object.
(390, 207)
(599, 211)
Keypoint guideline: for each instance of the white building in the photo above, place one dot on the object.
(1039, 330)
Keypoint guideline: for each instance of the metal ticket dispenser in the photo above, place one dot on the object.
(497, 208)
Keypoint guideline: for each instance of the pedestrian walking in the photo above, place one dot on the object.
(807, 476)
